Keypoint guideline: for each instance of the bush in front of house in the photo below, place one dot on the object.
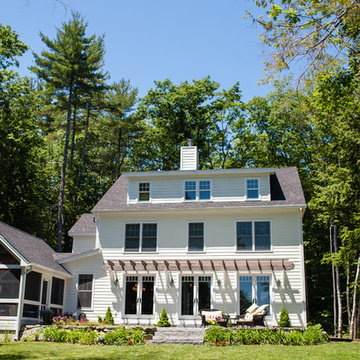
(284, 318)
(164, 319)
(217, 335)
(124, 336)
(108, 319)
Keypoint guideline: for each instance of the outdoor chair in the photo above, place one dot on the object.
(254, 316)
(213, 316)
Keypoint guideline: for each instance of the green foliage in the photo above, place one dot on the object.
(100, 320)
(108, 318)
(164, 319)
(314, 335)
(124, 336)
(284, 318)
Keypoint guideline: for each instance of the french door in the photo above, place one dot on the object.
(254, 289)
(139, 295)
(195, 294)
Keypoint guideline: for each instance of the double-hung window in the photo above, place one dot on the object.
(144, 191)
(197, 190)
(85, 289)
(196, 236)
(252, 189)
(253, 235)
(142, 236)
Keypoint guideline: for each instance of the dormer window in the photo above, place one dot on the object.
(197, 190)
(144, 191)
(252, 189)
(190, 190)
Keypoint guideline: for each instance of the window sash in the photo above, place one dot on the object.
(147, 232)
(196, 237)
(149, 237)
(144, 191)
(132, 237)
(85, 286)
(253, 235)
(252, 188)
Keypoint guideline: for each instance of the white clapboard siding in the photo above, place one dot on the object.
(83, 243)
(167, 189)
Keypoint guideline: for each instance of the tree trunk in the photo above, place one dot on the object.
(348, 305)
(118, 155)
(73, 136)
(59, 235)
(333, 281)
(353, 327)
(86, 133)
(338, 290)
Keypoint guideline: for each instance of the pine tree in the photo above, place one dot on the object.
(71, 66)
(284, 318)
(109, 317)
(164, 319)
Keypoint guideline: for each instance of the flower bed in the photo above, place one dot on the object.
(89, 334)
(220, 336)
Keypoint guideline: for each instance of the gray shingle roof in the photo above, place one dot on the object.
(286, 190)
(85, 225)
(32, 248)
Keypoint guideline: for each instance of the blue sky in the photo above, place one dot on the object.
(149, 40)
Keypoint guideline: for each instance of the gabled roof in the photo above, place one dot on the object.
(31, 248)
(286, 190)
(85, 225)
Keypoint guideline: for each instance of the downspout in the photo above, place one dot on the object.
(21, 299)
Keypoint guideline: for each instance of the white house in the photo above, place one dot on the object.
(186, 240)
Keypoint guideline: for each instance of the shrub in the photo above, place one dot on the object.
(47, 316)
(124, 336)
(164, 319)
(217, 335)
(100, 320)
(284, 318)
(108, 319)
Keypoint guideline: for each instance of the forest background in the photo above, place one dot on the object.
(67, 133)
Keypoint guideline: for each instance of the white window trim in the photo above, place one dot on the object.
(138, 192)
(246, 189)
(140, 238)
(187, 237)
(253, 236)
(139, 281)
(197, 190)
(77, 291)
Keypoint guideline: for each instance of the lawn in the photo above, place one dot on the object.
(19, 351)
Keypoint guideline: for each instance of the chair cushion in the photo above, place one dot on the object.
(251, 309)
(248, 316)
(212, 315)
(261, 310)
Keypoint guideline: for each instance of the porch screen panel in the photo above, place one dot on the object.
(31, 311)
(187, 295)
(132, 237)
(246, 292)
(8, 309)
(263, 291)
(244, 235)
(147, 295)
(33, 286)
(204, 292)
(6, 257)
(57, 291)
(44, 293)
(262, 235)
(149, 234)
(131, 294)
(9, 283)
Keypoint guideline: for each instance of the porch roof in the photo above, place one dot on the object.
(199, 265)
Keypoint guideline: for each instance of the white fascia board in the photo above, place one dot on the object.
(249, 171)
(58, 273)
(79, 256)
(81, 234)
(17, 254)
(201, 209)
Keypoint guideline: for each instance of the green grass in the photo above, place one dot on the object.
(20, 351)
